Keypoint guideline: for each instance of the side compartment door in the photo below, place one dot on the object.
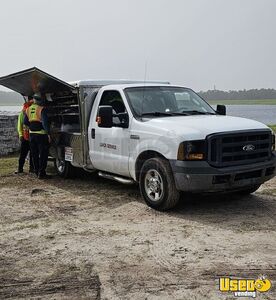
(109, 147)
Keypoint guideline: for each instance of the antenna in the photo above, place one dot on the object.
(146, 70)
(145, 76)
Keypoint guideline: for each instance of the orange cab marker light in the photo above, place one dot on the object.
(98, 120)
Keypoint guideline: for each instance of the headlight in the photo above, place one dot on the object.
(192, 150)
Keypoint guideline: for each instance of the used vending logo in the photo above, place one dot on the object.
(244, 287)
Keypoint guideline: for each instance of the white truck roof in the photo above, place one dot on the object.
(96, 82)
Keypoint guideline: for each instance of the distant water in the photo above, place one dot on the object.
(10, 109)
(262, 113)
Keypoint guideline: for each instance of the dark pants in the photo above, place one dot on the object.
(24, 149)
(39, 149)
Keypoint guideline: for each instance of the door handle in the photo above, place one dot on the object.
(93, 133)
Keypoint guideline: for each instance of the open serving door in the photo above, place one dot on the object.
(33, 80)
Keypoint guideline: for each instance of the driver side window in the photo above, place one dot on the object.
(114, 99)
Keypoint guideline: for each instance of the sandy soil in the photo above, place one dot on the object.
(91, 238)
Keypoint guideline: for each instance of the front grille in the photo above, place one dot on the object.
(239, 148)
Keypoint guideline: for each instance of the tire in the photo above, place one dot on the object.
(64, 168)
(249, 190)
(157, 184)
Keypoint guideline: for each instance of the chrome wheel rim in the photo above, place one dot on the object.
(154, 185)
(60, 165)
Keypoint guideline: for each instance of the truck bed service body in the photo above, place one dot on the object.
(164, 137)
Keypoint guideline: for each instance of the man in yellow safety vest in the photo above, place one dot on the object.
(24, 136)
(37, 120)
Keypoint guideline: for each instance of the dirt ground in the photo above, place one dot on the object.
(91, 238)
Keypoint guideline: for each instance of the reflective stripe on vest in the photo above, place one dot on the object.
(34, 115)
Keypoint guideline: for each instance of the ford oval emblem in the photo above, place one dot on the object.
(248, 148)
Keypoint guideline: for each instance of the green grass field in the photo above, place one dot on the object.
(273, 127)
(6, 103)
(244, 102)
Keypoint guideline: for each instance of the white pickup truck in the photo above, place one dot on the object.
(164, 137)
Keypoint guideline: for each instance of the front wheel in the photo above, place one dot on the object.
(157, 184)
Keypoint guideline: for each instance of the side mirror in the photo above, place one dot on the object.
(105, 116)
(221, 109)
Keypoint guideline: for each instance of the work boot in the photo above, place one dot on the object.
(19, 171)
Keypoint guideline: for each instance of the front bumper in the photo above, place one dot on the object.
(199, 176)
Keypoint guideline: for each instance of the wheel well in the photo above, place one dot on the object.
(142, 158)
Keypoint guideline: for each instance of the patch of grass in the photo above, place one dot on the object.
(8, 164)
(26, 226)
(270, 192)
(273, 127)
(244, 102)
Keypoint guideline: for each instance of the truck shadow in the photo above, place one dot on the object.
(91, 187)
(243, 213)
(248, 213)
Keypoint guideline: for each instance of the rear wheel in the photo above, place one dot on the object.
(157, 184)
(64, 168)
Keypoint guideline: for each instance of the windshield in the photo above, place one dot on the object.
(166, 101)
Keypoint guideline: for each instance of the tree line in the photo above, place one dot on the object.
(253, 94)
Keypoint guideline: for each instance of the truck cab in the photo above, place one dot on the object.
(164, 137)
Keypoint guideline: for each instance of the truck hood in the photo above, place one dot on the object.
(199, 126)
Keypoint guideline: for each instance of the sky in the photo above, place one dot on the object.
(229, 44)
